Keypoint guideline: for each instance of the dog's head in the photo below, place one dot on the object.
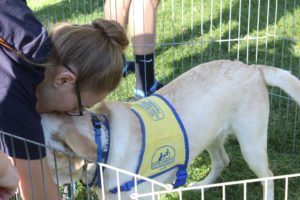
(73, 139)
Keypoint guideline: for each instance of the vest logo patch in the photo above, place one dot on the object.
(152, 109)
(162, 157)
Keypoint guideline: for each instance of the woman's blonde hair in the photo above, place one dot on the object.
(94, 52)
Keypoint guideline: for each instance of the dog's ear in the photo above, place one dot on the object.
(78, 143)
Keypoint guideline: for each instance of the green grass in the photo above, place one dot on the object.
(188, 35)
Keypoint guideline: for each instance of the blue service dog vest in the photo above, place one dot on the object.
(164, 141)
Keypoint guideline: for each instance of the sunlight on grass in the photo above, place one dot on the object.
(296, 49)
(38, 4)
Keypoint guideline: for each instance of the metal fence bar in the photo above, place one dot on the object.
(164, 186)
(135, 185)
(102, 182)
(182, 36)
(248, 31)
(163, 39)
(30, 171)
(201, 32)
(265, 189)
(43, 177)
(286, 188)
(56, 172)
(220, 43)
(70, 173)
(275, 32)
(245, 191)
(180, 195)
(192, 34)
(144, 42)
(225, 184)
(207, 41)
(173, 40)
(267, 31)
(118, 183)
(152, 190)
(239, 30)
(223, 192)
(229, 32)
(210, 29)
(257, 30)
(290, 68)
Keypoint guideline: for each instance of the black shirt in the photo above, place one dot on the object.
(18, 79)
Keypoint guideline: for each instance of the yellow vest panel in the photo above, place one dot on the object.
(165, 144)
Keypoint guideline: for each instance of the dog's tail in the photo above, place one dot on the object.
(282, 79)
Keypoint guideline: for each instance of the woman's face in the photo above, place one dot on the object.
(57, 93)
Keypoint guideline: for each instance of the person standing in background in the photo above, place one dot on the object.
(140, 15)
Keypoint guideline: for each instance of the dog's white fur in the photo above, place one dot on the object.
(212, 100)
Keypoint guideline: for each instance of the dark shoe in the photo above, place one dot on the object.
(128, 68)
(156, 86)
(139, 94)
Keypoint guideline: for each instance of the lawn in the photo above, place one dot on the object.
(190, 32)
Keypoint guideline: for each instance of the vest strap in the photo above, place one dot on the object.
(181, 176)
(124, 187)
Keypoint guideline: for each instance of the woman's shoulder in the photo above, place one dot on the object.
(23, 31)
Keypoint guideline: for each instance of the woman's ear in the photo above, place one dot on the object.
(63, 78)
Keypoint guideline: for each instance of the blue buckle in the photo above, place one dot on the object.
(96, 121)
(181, 177)
(181, 173)
(97, 124)
(124, 188)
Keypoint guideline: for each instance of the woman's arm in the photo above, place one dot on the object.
(36, 180)
(9, 177)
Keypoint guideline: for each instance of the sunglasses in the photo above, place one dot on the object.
(81, 110)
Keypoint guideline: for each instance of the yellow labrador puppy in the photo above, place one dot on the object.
(212, 100)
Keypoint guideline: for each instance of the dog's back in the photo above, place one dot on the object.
(212, 95)
(219, 97)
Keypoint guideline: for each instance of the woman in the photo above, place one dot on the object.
(84, 64)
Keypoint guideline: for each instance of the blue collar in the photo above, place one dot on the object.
(101, 126)
(102, 123)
